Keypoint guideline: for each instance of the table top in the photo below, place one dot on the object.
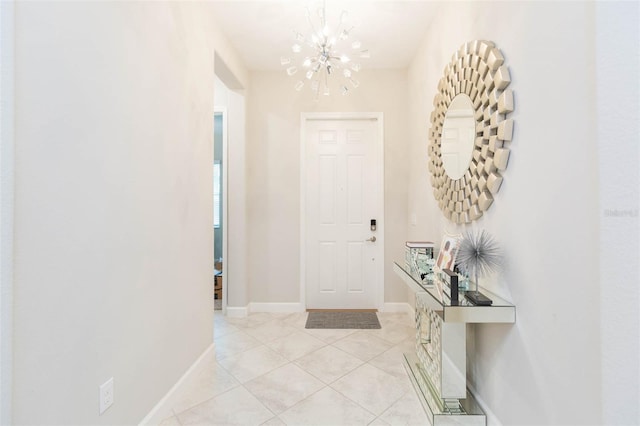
(436, 295)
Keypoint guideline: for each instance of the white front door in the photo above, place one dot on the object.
(343, 193)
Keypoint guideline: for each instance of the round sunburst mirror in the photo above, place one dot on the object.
(470, 131)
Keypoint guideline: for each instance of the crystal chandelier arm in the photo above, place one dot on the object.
(323, 15)
(326, 85)
(338, 32)
(323, 23)
(342, 59)
(310, 21)
(342, 27)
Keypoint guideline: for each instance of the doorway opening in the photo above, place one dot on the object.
(219, 205)
(229, 187)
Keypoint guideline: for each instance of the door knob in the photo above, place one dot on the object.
(372, 239)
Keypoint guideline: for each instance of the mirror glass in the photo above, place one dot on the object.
(458, 134)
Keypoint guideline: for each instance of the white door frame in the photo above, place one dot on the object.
(7, 201)
(311, 116)
(225, 204)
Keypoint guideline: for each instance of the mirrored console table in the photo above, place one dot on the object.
(438, 367)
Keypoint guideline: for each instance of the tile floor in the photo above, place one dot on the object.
(269, 370)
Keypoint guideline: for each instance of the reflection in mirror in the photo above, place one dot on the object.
(458, 134)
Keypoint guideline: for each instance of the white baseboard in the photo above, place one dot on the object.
(396, 307)
(276, 307)
(237, 312)
(240, 312)
(163, 410)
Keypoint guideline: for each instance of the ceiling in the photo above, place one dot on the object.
(262, 31)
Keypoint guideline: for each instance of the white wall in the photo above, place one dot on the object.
(546, 368)
(618, 131)
(273, 164)
(113, 235)
(6, 205)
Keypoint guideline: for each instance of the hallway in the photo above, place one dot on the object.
(268, 369)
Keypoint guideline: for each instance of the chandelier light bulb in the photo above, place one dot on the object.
(344, 59)
(309, 74)
(356, 45)
(356, 67)
(284, 60)
(345, 90)
(315, 86)
(347, 73)
(344, 35)
(296, 48)
(291, 71)
(307, 62)
(355, 83)
(365, 54)
(299, 85)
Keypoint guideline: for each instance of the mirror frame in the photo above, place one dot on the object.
(478, 70)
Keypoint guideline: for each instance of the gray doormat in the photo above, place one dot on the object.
(342, 320)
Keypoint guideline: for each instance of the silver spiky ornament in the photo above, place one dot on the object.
(478, 254)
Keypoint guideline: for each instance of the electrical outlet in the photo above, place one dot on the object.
(106, 395)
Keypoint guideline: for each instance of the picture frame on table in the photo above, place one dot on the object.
(448, 251)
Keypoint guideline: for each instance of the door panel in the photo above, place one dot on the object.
(327, 273)
(355, 278)
(327, 187)
(354, 189)
(456, 137)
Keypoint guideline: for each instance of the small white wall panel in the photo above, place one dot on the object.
(327, 136)
(354, 267)
(327, 267)
(327, 189)
(354, 189)
(354, 136)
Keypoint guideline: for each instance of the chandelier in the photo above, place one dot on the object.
(321, 55)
